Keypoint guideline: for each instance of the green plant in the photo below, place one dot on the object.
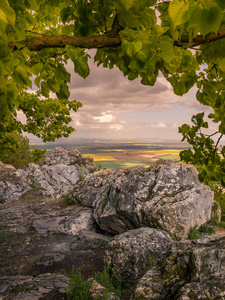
(78, 288)
(37, 154)
(109, 280)
(104, 203)
(82, 174)
(67, 198)
(219, 196)
(196, 233)
(32, 230)
(214, 221)
(175, 236)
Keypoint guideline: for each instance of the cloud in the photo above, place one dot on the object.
(116, 126)
(159, 125)
(106, 117)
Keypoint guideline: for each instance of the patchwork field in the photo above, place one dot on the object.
(121, 155)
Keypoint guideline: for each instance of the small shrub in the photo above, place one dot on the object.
(214, 221)
(219, 196)
(196, 233)
(206, 230)
(82, 174)
(67, 198)
(78, 288)
(109, 280)
(175, 236)
(222, 224)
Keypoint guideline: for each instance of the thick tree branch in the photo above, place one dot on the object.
(110, 38)
(88, 42)
(200, 39)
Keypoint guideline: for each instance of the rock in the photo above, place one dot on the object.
(91, 239)
(151, 286)
(185, 271)
(29, 288)
(131, 252)
(57, 175)
(12, 183)
(212, 288)
(59, 172)
(97, 291)
(166, 195)
(70, 222)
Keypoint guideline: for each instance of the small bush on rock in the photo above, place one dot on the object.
(79, 286)
(196, 233)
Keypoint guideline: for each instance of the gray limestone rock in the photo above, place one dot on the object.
(166, 195)
(29, 288)
(212, 288)
(57, 174)
(191, 270)
(71, 223)
(131, 252)
(12, 183)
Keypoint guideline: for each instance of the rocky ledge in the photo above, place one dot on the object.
(124, 219)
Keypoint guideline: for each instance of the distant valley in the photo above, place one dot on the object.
(114, 155)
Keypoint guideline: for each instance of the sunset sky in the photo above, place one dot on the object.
(116, 108)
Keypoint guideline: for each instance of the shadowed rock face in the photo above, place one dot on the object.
(166, 195)
(129, 253)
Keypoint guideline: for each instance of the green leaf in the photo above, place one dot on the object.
(36, 69)
(20, 76)
(7, 12)
(53, 85)
(221, 64)
(128, 19)
(166, 47)
(221, 4)
(66, 14)
(127, 3)
(179, 88)
(178, 12)
(194, 14)
(210, 20)
(44, 89)
(131, 48)
(2, 15)
(81, 66)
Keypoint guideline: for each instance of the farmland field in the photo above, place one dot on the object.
(121, 155)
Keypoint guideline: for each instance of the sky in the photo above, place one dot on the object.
(115, 108)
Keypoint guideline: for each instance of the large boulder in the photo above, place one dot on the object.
(59, 172)
(191, 270)
(12, 183)
(57, 175)
(131, 252)
(166, 195)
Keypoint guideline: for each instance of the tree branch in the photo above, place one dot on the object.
(200, 39)
(110, 38)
